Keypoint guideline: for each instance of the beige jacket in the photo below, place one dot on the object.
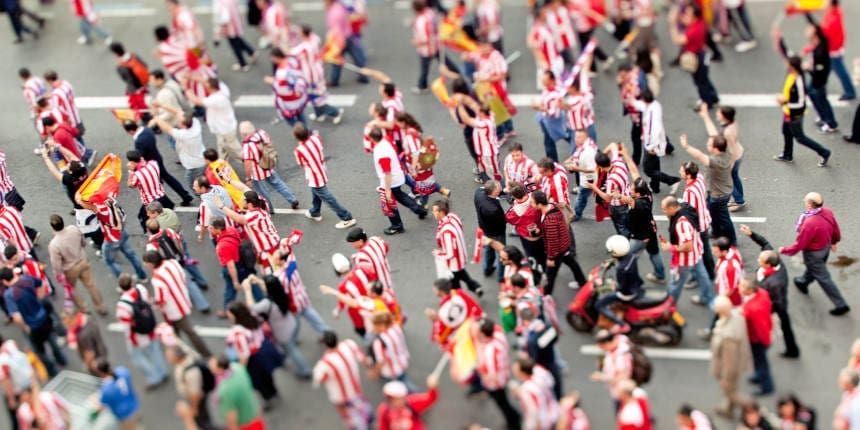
(730, 348)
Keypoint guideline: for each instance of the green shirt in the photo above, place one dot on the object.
(169, 219)
(236, 394)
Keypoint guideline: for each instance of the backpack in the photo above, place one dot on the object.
(170, 248)
(268, 156)
(142, 316)
(206, 375)
(138, 69)
(641, 365)
(537, 270)
(247, 256)
(116, 214)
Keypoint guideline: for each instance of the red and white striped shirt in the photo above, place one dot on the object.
(555, 186)
(550, 100)
(356, 284)
(244, 341)
(34, 89)
(290, 88)
(541, 39)
(310, 58)
(111, 234)
(729, 271)
(493, 362)
(522, 171)
(309, 154)
(425, 33)
(185, 28)
(451, 242)
(261, 230)
(695, 196)
(562, 28)
(393, 106)
(84, 9)
(275, 20)
(187, 69)
(226, 19)
(171, 290)
(12, 229)
(617, 364)
(6, 183)
(538, 404)
(488, 65)
(63, 97)
(125, 316)
(374, 254)
(338, 370)
(490, 19)
(48, 113)
(147, 179)
(617, 181)
(53, 411)
(299, 299)
(389, 348)
(484, 137)
(576, 419)
(251, 152)
(686, 233)
(580, 111)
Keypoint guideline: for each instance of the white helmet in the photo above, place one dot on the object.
(340, 263)
(617, 246)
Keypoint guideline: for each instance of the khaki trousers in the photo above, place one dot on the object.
(81, 271)
(228, 146)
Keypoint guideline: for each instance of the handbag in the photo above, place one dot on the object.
(689, 61)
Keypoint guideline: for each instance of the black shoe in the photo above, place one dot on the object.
(203, 287)
(850, 139)
(488, 273)
(41, 22)
(422, 214)
(782, 158)
(717, 58)
(753, 380)
(841, 310)
(843, 97)
(294, 204)
(801, 285)
(392, 231)
(790, 354)
(676, 62)
(479, 291)
(186, 203)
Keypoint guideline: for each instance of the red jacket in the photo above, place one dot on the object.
(833, 28)
(408, 418)
(757, 314)
(65, 136)
(817, 232)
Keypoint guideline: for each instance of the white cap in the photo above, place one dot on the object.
(340, 263)
(395, 389)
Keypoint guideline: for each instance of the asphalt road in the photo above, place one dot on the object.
(774, 192)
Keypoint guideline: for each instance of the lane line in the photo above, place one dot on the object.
(246, 101)
(205, 331)
(190, 209)
(735, 219)
(667, 353)
(101, 102)
(735, 100)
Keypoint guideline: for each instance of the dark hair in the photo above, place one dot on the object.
(514, 255)
(796, 63)
(686, 409)
(640, 186)
(6, 274)
(222, 362)
(546, 163)
(720, 143)
(789, 399)
(443, 206)
(306, 30)
(602, 159)
(276, 292)
(49, 121)
(418, 5)
(24, 73)
(218, 223)
(117, 49)
(517, 190)
(203, 182)
(516, 146)
(51, 76)
(133, 156)
(329, 339)
(389, 89)
(460, 86)
(728, 113)
(103, 367)
(42, 102)
(253, 198)
(488, 327)
(77, 169)
(214, 83)
(409, 120)
(124, 281)
(210, 154)
(722, 243)
(152, 226)
(625, 67)
(243, 316)
(377, 288)
(643, 60)
(278, 53)
(526, 365)
(375, 134)
(444, 285)
(10, 252)
(549, 73)
(697, 11)
(157, 74)
(57, 223)
(300, 132)
(540, 197)
(153, 257)
(129, 125)
(161, 33)
(518, 280)
(647, 95)
(691, 168)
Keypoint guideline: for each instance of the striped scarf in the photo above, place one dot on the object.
(804, 215)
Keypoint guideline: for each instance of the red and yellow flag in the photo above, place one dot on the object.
(440, 90)
(103, 182)
(123, 115)
(464, 356)
(453, 37)
(333, 49)
(803, 6)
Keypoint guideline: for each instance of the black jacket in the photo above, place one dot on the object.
(776, 284)
(145, 144)
(491, 216)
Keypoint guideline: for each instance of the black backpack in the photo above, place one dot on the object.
(641, 365)
(247, 256)
(142, 315)
(170, 248)
(206, 375)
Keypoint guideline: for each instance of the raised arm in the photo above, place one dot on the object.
(697, 155)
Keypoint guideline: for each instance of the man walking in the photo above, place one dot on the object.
(817, 234)
(391, 178)
(730, 354)
(654, 141)
(145, 145)
(373, 253)
(719, 163)
(491, 220)
(254, 143)
(493, 369)
(451, 246)
(615, 185)
(115, 237)
(142, 346)
(169, 103)
(63, 97)
(337, 23)
(227, 243)
(558, 242)
(695, 196)
(144, 176)
(219, 116)
(70, 263)
(685, 246)
(188, 142)
(693, 42)
(309, 154)
(338, 370)
(756, 311)
(581, 162)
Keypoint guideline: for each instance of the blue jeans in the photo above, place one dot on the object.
(122, 245)
(761, 367)
(230, 289)
(192, 174)
(837, 66)
(738, 185)
(88, 27)
(619, 219)
(704, 86)
(322, 194)
(292, 120)
(582, 198)
(274, 180)
(354, 49)
(504, 128)
(314, 318)
(706, 287)
(721, 221)
(549, 144)
(150, 361)
(193, 270)
(295, 355)
(822, 105)
(197, 298)
(326, 110)
(637, 245)
(491, 258)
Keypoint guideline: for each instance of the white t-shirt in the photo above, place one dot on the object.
(189, 145)
(219, 113)
(385, 150)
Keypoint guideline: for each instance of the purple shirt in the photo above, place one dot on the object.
(337, 20)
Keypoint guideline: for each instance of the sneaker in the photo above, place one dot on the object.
(478, 180)
(83, 40)
(475, 170)
(606, 67)
(108, 40)
(345, 224)
(845, 97)
(246, 68)
(850, 139)
(653, 278)
(783, 159)
(294, 204)
(253, 58)
(573, 285)
(390, 231)
(823, 161)
(745, 46)
(818, 122)
(313, 117)
(737, 206)
(697, 300)
(236, 67)
(308, 215)
(337, 119)
(692, 283)
(37, 151)
(480, 292)
(826, 129)
(841, 310)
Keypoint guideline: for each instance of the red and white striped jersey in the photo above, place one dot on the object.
(538, 405)
(576, 419)
(84, 9)
(617, 181)
(618, 364)
(111, 234)
(451, 242)
(125, 316)
(54, 411)
(245, 342)
(251, 152)
(309, 154)
(559, 21)
(226, 19)
(577, 9)
(393, 106)
(729, 271)
(484, 137)
(299, 299)
(261, 230)
(550, 100)
(310, 58)
(631, 416)
(555, 186)
(291, 88)
(493, 362)
(184, 27)
(522, 171)
(489, 19)
(147, 179)
(12, 229)
(524, 271)
(542, 40)
(6, 183)
(686, 233)
(186, 67)
(171, 290)
(696, 196)
(63, 96)
(412, 143)
(48, 113)
(580, 108)
(425, 33)
(488, 65)
(34, 89)
(31, 267)
(356, 284)
(275, 19)
(338, 370)
(389, 348)
(374, 254)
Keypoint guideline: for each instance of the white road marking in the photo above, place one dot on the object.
(218, 332)
(735, 100)
(101, 102)
(125, 13)
(402, 4)
(670, 353)
(194, 209)
(267, 100)
(735, 219)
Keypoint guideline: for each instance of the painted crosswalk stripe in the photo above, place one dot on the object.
(669, 353)
(267, 100)
(278, 211)
(205, 331)
(101, 102)
(735, 100)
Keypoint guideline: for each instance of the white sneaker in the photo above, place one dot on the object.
(83, 40)
(573, 285)
(312, 116)
(108, 41)
(246, 68)
(37, 150)
(308, 215)
(345, 224)
(339, 117)
(826, 129)
(653, 278)
(692, 283)
(236, 67)
(607, 65)
(745, 46)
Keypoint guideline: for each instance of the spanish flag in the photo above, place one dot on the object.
(453, 37)
(464, 356)
(103, 182)
(333, 49)
(123, 115)
(440, 90)
(803, 6)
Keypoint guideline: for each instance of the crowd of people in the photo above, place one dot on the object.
(517, 360)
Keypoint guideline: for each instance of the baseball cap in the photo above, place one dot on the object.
(356, 234)
(395, 389)
(340, 263)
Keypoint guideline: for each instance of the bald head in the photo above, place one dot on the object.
(813, 200)
(246, 128)
(670, 205)
(768, 259)
(722, 306)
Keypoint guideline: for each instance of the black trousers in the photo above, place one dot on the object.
(463, 276)
(535, 249)
(512, 417)
(240, 47)
(636, 138)
(173, 183)
(203, 419)
(707, 257)
(855, 127)
(651, 167)
(787, 332)
(568, 259)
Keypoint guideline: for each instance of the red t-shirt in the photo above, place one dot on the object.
(227, 246)
(695, 33)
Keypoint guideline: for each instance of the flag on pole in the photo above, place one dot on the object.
(333, 49)
(803, 6)
(580, 61)
(218, 169)
(123, 115)
(440, 90)
(464, 356)
(103, 182)
(452, 36)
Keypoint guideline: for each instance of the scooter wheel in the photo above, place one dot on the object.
(673, 332)
(579, 323)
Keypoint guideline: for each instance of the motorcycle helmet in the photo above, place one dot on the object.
(617, 246)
